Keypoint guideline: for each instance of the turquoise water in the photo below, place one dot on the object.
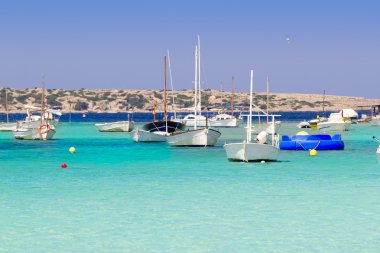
(119, 196)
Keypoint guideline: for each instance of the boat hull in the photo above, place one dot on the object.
(32, 134)
(8, 127)
(224, 123)
(119, 126)
(197, 138)
(146, 136)
(248, 152)
(334, 126)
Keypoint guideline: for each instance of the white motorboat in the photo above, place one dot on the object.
(304, 124)
(259, 150)
(335, 122)
(223, 120)
(118, 126)
(196, 137)
(191, 120)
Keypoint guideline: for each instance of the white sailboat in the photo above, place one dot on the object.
(253, 151)
(38, 127)
(158, 131)
(197, 136)
(7, 127)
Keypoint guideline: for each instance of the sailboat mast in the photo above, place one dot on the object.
(165, 102)
(232, 96)
(195, 88)
(199, 76)
(43, 99)
(267, 99)
(6, 105)
(171, 85)
(249, 121)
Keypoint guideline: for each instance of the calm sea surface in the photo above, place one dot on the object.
(120, 196)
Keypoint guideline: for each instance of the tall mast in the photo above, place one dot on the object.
(165, 104)
(199, 76)
(6, 104)
(43, 98)
(195, 87)
(232, 96)
(249, 121)
(267, 99)
(171, 84)
(323, 104)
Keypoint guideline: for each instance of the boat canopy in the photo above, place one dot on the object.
(349, 113)
(161, 126)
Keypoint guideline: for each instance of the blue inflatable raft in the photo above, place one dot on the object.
(314, 141)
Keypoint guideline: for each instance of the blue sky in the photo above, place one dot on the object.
(334, 45)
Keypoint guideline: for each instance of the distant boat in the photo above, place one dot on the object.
(253, 151)
(198, 136)
(340, 121)
(158, 131)
(225, 119)
(375, 115)
(7, 127)
(41, 126)
(304, 124)
(117, 126)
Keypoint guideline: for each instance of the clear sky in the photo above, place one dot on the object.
(305, 46)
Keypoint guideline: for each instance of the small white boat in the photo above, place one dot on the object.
(8, 127)
(335, 122)
(118, 126)
(195, 138)
(304, 124)
(224, 120)
(334, 125)
(44, 133)
(253, 151)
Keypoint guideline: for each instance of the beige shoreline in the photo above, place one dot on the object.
(114, 101)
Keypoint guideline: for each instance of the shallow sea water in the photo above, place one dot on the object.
(120, 196)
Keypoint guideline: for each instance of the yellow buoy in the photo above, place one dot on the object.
(72, 150)
(313, 152)
(302, 133)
